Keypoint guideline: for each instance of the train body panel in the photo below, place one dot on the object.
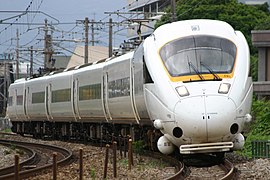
(36, 99)
(60, 105)
(87, 100)
(16, 92)
(189, 81)
(139, 77)
(119, 97)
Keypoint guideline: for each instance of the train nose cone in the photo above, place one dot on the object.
(205, 118)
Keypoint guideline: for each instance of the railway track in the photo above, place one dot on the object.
(178, 165)
(223, 170)
(40, 158)
(229, 169)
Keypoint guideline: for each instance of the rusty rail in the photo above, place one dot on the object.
(27, 173)
(228, 167)
(179, 166)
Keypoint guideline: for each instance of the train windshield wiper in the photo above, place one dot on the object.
(195, 70)
(211, 71)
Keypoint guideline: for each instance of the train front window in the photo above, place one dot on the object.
(198, 54)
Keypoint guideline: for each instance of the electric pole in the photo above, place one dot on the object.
(31, 61)
(86, 40)
(45, 44)
(93, 35)
(17, 55)
(5, 89)
(110, 37)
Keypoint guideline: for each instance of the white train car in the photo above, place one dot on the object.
(202, 97)
(189, 80)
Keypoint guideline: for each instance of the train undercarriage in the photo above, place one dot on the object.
(88, 132)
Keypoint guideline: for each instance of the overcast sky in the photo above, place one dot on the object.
(64, 11)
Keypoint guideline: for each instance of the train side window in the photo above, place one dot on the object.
(20, 100)
(119, 87)
(62, 95)
(146, 75)
(38, 97)
(89, 92)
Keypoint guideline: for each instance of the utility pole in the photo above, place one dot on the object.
(17, 55)
(173, 10)
(110, 37)
(48, 51)
(5, 89)
(46, 46)
(31, 61)
(93, 35)
(86, 40)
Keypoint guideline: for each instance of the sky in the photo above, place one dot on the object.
(62, 16)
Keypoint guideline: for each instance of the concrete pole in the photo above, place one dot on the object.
(31, 61)
(17, 55)
(86, 41)
(46, 45)
(110, 37)
(93, 35)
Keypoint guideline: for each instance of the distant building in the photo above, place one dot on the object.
(145, 12)
(254, 2)
(95, 53)
(261, 40)
(61, 62)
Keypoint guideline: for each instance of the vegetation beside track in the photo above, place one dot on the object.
(259, 128)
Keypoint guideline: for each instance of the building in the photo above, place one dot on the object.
(261, 40)
(144, 14)
(61, 62)
(254, 2)
(95, 53)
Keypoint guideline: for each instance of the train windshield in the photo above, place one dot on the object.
(198, 55)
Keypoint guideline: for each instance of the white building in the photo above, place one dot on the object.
(145, 12)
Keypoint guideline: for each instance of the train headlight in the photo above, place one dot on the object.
(224, 88)
(182, 91)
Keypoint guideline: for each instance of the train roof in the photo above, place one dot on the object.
(110, 60)
(171, 31)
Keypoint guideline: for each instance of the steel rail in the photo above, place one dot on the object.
(179, 166)
(27, 173)
(31, 154)
(228, 167)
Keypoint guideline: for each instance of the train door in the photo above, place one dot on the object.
(105, 96)
(48, 101)
(75, 99)
(139, 81)
(15, 103)
(25, 102)
(132, 93)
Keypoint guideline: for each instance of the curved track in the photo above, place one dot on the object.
(229, 169)
(224, 170)
(179, 166)
(36, 161)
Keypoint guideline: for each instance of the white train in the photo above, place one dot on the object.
(189, 79)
